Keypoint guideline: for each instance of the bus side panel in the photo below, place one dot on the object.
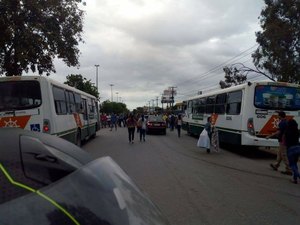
(195, 129)
(63, 126)
(229, 137)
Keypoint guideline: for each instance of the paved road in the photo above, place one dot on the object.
(192, 187)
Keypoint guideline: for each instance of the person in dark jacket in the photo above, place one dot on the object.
(291, 137)
(282, 151)
(207, 127)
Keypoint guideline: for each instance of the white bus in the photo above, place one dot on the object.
(244, 114)
(41, 104)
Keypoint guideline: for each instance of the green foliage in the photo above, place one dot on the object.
(279, 40)
(233, 76)
(34, 32)
(113, 107)
(77, 81)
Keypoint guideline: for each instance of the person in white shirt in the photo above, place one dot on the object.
(142, 126)
(179, 124)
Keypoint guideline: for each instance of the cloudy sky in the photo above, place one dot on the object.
(146, 46)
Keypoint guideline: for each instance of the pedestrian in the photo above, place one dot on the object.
(142, 126)
(282, 151)
(178, 124)
(113, 121)
(207, 127)
(172, 122)
(131, 124)
(108, 120)
(291, 137)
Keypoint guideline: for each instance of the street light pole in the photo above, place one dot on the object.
(111, 93)
(97, 66)
(117, 95)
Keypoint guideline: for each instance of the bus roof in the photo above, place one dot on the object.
(52, 81)
(243, 86)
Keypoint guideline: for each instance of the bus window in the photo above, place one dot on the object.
(189, 106)
(277, 97)
(202, 107)
(78, 105)
(220, 103)
(71, 102)
(92, 106)
(234, 103)
(19, 95)
(59, 100)
(210, 104)
(195, 105)
(84, 108)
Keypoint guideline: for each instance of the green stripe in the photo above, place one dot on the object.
(73, 130)
(38, 193)
(219, 128)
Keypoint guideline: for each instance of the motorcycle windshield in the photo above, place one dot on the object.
(98, 193)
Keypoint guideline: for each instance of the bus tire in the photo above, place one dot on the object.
(78, 138)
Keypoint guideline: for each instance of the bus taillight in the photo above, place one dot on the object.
(46, 126)
(250, 126)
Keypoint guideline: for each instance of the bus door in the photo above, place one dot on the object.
(85, 130)
(20, 103)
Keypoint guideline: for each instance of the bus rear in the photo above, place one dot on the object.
(20, 103)
(262, 119)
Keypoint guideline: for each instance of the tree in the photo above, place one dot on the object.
(34, 32)
(77, 81)
(279, 40)
(233, 76)
(113, 107)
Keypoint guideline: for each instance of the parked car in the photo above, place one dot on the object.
(47, 180)
(156, 124)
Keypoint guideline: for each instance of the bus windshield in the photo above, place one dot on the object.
(277, 97)
(19, 95)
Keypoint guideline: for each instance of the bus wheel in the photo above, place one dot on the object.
(78, 138)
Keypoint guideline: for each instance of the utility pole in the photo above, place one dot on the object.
(111, 93)
(97, 66)
(172, 97)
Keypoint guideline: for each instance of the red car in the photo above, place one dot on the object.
(156, 124)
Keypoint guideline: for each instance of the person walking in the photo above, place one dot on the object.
(178, 123)
(113, 121)
(282, 151)
(172, 122)
(207, 127)
(291, 137)
(131, 124)
(142, 126)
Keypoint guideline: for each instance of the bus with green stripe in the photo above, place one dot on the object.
(42, 104)
(244, 114)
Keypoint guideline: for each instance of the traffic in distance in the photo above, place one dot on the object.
(244, 114)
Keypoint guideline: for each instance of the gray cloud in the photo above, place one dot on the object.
(145, 46)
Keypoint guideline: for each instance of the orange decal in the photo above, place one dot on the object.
(214, 118)
(272, 125)
(14, 121)
(77, 119)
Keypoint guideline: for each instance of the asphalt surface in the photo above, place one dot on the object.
(191, 187)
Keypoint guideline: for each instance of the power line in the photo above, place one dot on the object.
(220, 65)
(206, 74)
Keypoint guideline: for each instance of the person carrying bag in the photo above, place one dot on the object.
(204, 141)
